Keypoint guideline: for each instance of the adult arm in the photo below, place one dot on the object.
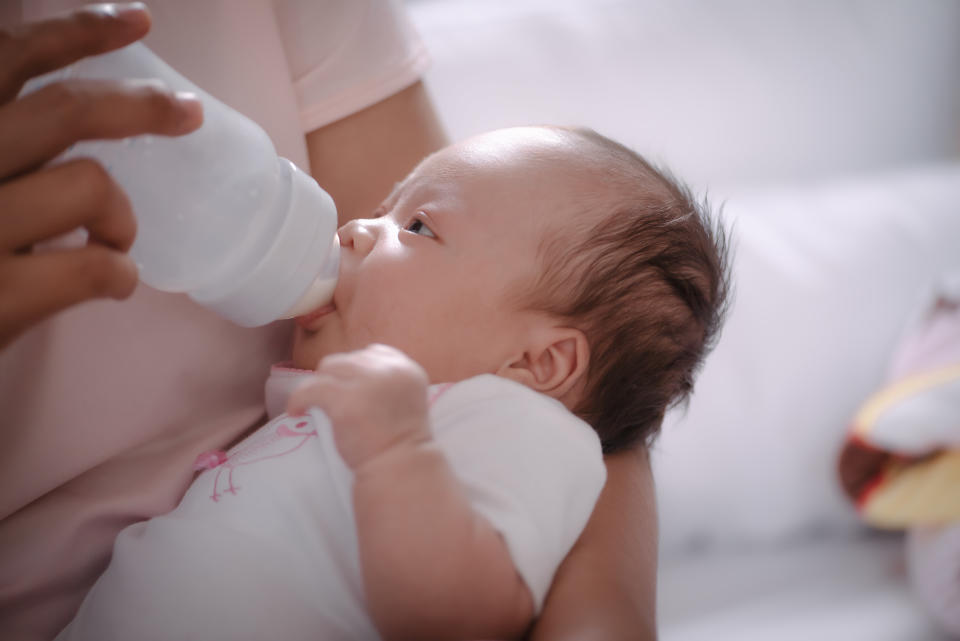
(38, 203)
(358, 159)
(605, 590)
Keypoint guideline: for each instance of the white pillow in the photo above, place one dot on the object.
(826, 278)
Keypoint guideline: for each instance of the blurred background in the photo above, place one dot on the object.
(830, 130)
(730, 94)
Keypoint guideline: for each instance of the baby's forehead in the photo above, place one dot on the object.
(515, 177)
(539, 148)
(513, 159)
(515, 187)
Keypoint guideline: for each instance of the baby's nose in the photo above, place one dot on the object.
(357, 236)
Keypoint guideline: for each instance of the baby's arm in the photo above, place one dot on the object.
(432, 566)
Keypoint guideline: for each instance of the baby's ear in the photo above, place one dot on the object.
(554, 362)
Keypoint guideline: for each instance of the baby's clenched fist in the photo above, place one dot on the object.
(376, 399)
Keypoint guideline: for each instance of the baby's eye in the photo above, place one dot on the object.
(417, 226)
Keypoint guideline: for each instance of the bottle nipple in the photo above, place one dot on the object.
(320, 291)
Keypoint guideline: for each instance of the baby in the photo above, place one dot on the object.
(545, 295)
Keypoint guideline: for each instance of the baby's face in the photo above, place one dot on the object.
(433, 272)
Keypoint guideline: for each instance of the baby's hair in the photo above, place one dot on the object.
(647, 281)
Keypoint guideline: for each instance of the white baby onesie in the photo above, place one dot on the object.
(264, 544)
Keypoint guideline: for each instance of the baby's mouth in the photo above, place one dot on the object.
(309, 320)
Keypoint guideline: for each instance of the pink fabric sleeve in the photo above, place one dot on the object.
(346, 56)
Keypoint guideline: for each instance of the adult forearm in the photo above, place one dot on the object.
(359, 158)
(432, 567)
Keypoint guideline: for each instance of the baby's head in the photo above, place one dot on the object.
(551, 256)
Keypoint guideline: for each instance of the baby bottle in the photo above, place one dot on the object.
(219, 216)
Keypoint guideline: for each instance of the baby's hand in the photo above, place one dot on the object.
(376, 399)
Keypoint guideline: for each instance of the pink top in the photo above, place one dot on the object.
(106, 406)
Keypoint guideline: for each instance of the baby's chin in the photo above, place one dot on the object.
(307, 349)
(302, 363)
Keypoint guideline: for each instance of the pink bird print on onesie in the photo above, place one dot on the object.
(281, 436)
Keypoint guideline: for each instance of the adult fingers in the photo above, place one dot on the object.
(36, 48)
(55, 200)
(35, 286)
(42, 124)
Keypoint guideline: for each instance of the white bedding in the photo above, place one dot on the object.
(833, 589)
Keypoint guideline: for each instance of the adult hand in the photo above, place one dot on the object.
(40, 202)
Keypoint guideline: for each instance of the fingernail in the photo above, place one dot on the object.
(191, 109)
(131, 13)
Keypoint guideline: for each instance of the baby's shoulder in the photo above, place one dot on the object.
(498, 404)
(489, 392)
